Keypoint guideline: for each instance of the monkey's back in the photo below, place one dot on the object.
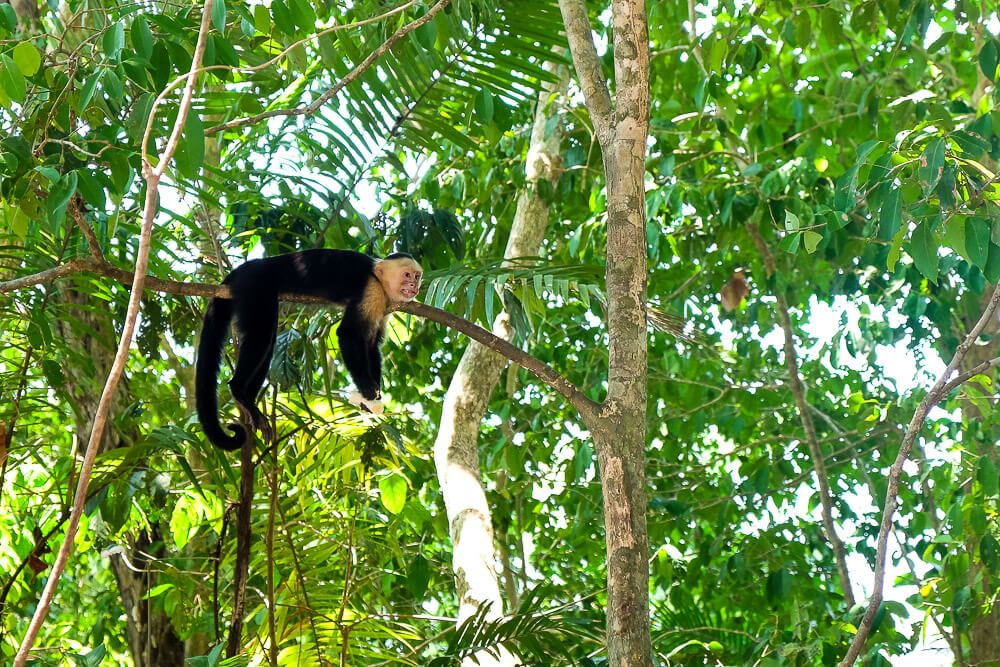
(339, 276)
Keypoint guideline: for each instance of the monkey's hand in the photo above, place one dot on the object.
(375, 407)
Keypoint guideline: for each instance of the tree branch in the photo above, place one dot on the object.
(805, 417)
(314, 106)
(936, 394)
(152, 176)
(545, 373)
(588, 66)
(587, 407)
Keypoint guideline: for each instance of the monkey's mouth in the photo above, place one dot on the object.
(409, 291)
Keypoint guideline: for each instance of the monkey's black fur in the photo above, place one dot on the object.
(343, 277)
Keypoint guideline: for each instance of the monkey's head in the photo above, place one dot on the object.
(400, 276)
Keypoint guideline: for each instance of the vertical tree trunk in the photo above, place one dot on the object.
(620, 430)
(456, 453)
(621, 443)
(984, 634)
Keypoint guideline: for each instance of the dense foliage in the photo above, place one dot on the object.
(859, 138)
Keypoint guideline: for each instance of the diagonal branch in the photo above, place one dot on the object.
(587, 407)
(936, 394)
(805, 417)
(152, 176)
(588, 66)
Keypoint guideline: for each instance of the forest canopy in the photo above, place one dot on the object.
(731, 270)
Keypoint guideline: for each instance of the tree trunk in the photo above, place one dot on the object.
(984, 635)
(621, 442)
(151, 636)
(456, 453)
(619, 431)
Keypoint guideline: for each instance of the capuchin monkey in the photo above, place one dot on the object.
(366, 287)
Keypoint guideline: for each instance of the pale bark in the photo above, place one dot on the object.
(620, 431)
(456, 453)
(950, 379)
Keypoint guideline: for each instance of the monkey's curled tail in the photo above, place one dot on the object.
(213, 337)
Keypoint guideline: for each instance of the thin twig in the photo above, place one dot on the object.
(936, 394)
(805, 417)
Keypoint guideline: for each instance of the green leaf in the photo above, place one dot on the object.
(989, 55)
(113, 41)
(790, 243)
(895, 250)
(879, 617)
(11, 80)
(193, 156)
(59, 195)
(282, 17)
(426, 35)
(27, 58)
(418, 576)
(977, 240)
(91, 189)
(792, 222)
(8, 19)
(210, 660)
(989, 552)
(219, 15)
(142, 37)
(484, 106)
(87, 92)
(392, 492)
(844, 198)
(810, 240)
(53, 373)
(931, 164)
(891, 217)
(92, 659)
(865, 149)
(18, 221)
(992, 269)
(49, 172)
(261, 19)
(988, 476)
(924, 249)
(779, 584)
(303, 14)
(978, 520)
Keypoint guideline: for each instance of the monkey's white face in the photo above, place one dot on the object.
(400, 278)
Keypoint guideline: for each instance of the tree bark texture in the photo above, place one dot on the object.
(620, 431)
(984, 635)
(456, 453)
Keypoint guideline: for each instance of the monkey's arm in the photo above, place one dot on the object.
(357, 353)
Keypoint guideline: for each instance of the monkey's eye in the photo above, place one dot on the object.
(407, 274)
